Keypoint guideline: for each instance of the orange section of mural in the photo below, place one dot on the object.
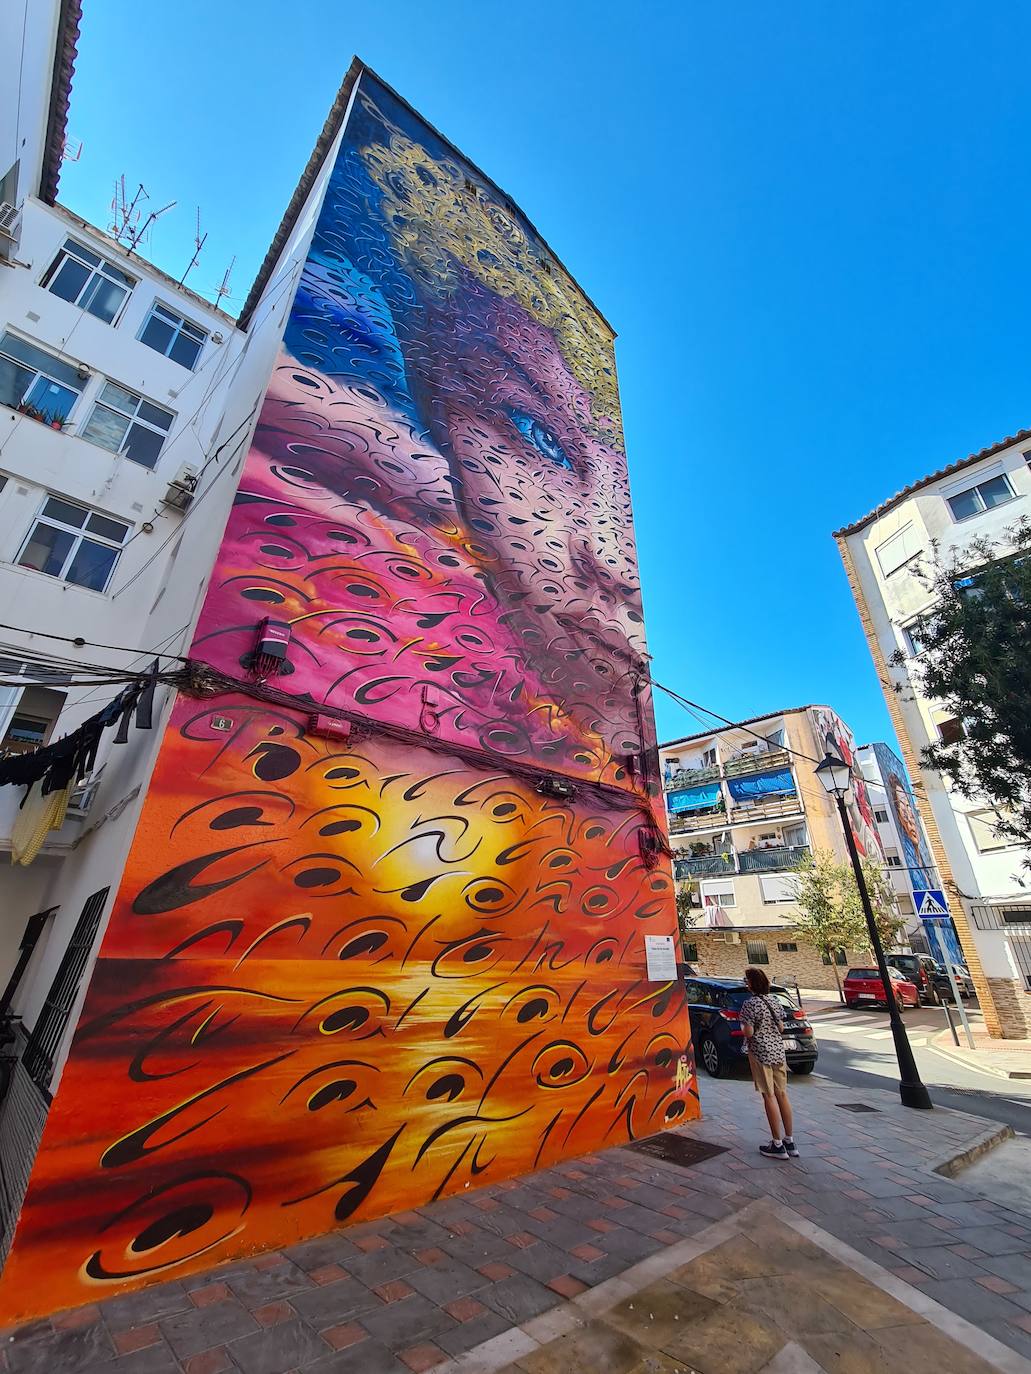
(345, 979)
(371, 979)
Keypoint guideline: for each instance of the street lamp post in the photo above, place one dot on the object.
(836, 776)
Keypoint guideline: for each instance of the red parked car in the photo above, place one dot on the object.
(864, 985)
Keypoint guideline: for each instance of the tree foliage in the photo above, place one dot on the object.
(687, 912)
(974, 662)
(830, 909)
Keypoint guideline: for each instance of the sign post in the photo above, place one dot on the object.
(933, 910)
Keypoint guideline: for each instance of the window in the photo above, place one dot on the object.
(893, 861)
(698, 994)
(779, 888)
(86, 279)
(757, 952)
(795, 835)
(718, 894)
(168, 333)
(984, 829)
(994, 491)
(34, 381)
(691, 953)
(880, 815)
(787, 947)
(898, 549)
(27, 720)
(74, 544)
(840, 957)
(950, 731)
(126, 423)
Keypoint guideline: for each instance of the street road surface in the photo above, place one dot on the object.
(857, 1049)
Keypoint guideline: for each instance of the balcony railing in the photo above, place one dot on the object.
(755, 761)
(688, 777)
(704, 865)
(764, 811)
(776, 858)
(696, 820)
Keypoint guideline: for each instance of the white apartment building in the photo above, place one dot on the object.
(744, 807)
(986, 879)
(127, 405)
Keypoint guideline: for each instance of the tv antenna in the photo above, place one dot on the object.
(226, 288)
(198, 245)
(71, 150)
(135, 237)
(124, 213)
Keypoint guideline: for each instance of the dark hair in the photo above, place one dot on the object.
(757, 981)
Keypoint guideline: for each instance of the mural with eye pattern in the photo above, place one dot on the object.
(343, 979)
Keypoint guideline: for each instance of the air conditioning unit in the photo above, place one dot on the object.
(8, 218)
(733, 937)
(183, 488)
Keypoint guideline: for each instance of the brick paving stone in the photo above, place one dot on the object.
(972, 1301)
(370, 1244)
(278, 1350)
(273, 1313)
(992, 1240)
(327, 1273)
(431, 1256)
(464, 1309)
(188, 1333)
(541, 1261)
(587, 1252)
(323, 1250)
(393, 1291)
(265, 1285)
(440, 1283)
(422, 1357)
(379, 1266)
(209, 1362)
(78, 1316)
(342, 1337)
(334, 1303)
(567, 1286)
(38, 1350)
(496, 1272)
(944, 1264)
(519, 1298)
(522, 1240)
(407, 1322)
(155, 1359)
(136, 1309)
(139, 1337)
(210, 1293)
(908, 1274)
(368, 1358)
(470, 1334)
(271, 1259)
(995, 1284)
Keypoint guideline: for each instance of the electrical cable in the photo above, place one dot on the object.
(78, 640)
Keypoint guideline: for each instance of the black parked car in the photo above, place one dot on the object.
(964, 982)
(919, 969)
(719, 1041)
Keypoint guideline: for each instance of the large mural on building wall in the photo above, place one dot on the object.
(347, 977)
(834, 737)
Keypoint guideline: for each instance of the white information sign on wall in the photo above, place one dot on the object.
(661, 956)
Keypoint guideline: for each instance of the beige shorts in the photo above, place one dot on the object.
(768, 1078)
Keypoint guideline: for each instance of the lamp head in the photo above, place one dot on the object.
(835, 775)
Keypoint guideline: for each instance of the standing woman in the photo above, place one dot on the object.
(763, 1022)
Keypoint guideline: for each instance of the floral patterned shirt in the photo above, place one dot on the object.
(766, 1017)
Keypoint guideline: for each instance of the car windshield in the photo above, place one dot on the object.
(862, 973)
(737, 997)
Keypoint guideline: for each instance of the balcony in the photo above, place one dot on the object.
(688, 777)
(687, 821)
(775, 859)
(705, 866)
(766, 810)
(755, 761)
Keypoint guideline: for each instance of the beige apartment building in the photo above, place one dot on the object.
(987, 881)
(744, 807)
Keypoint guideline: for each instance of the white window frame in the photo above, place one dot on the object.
(181, 324)
(81, 534)
(133, 417)
(39, 373)
(115, 276)
(777, 883)
(983, 818)
(956, 490)
(719, 892)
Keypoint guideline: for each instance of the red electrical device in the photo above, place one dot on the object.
(329, 727)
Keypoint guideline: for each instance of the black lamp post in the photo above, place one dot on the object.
(836, 777)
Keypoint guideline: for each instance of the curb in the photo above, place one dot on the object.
(948, 1052)
(951, 1165)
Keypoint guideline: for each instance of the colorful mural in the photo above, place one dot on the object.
(343, 978)
(916, 856)
(834, 737)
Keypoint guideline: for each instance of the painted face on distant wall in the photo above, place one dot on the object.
(904, 811)
(445, 409)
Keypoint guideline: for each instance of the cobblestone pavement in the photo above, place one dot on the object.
(462, 1277)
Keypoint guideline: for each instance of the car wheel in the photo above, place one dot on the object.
(712, 1060)
(900, 1004)
(803, 1068)
(851, 1005)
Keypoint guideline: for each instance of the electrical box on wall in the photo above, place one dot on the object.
(329, 727)
(270, 650)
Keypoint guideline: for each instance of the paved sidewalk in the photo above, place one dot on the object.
(1001, 1058)
(473, 1277)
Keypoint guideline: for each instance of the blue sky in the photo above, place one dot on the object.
(807, 222)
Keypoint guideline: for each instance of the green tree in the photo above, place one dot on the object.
(687, 913)
(830, 910)
(973, 661)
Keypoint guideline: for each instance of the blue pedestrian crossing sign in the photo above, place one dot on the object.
(930, 902)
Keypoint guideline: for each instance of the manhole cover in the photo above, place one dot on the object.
(856, 1107)
(677, 1149)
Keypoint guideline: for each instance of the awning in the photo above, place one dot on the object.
(777, 783)
(694, 798)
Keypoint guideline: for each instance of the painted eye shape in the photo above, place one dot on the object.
(542, 438)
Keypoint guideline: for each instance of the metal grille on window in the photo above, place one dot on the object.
(757, 952)
(48, 1032)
